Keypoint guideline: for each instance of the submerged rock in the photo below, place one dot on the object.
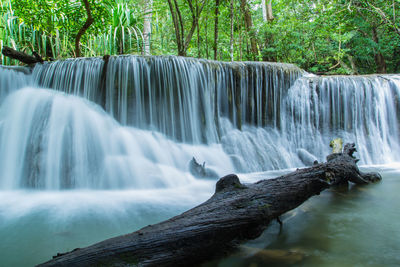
(276, 257)
(200, 171)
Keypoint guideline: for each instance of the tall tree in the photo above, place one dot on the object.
(216, 29)
(267, 10)
(248, 22)
(183, 40)
(84, 28)
(148, 14)
(264, 10)
(231, 35)
(270, 16)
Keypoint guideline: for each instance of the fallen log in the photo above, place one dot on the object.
(235, 213)
(21, 56)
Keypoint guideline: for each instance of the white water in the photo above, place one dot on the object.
(12, 79)
(266, 115)
(364, 110)
(162, 111)
(54, 141)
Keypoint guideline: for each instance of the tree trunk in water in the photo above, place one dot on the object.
(148, 14)
(235, 213)
(249, 28)
(85, 26)
(216, 29)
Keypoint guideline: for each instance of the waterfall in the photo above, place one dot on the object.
(136, 122)
(51, 140)
(183, 98)
(13, 78)
(360, 109)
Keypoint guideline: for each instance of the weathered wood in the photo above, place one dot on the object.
(235, 213)
(21, 56)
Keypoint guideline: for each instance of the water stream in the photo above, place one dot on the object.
(91, 150)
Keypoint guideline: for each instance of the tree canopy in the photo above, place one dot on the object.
(321, 36)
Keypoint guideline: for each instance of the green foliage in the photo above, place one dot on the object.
(335, 36)
(50, 27)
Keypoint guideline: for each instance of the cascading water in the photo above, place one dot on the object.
(13, 78)
(134, 123)
(361, 109)
(54, 141)
(262, 113)
(182, 98)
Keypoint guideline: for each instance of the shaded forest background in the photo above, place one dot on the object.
(324, 37)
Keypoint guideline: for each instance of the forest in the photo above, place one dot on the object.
(320, 36)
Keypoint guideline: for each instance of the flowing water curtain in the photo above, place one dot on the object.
(192, 101)
(152, 92)
(50, 140)
(262, 110)
(359, 109)
(12, 79)
(79, 77)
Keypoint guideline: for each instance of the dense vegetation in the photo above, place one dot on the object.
(321, 36)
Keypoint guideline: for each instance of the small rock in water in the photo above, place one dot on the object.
(277, 257)
(200, 171)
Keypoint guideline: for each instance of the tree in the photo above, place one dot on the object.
(216, 29)
(325, 36)
(267, 10)
(231, 31)
(148, 13)
(248, 22)
(183, 40)
(84, 28)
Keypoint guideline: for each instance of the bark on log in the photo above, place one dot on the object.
(235, 213)
(21, 56)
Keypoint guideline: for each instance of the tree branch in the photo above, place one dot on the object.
(85, 26)
(180, 19)
(195, 21)
(21, 56)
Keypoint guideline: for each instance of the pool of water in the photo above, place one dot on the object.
(36, 225)
(355, 226)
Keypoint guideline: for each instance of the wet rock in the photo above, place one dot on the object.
(276, 257)
(200, 171)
